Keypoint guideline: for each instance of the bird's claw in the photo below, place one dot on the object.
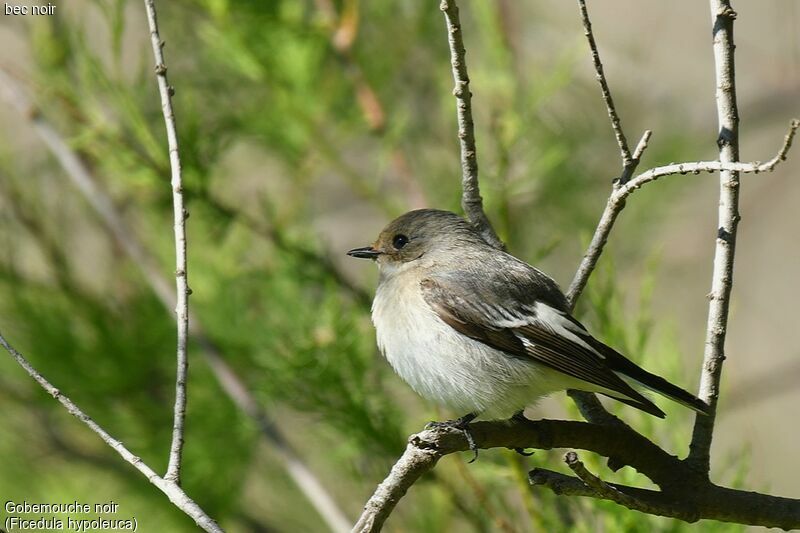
(461, 424)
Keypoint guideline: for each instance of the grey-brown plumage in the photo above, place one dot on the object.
(479, 330)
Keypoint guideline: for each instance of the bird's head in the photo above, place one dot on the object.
(417, 234)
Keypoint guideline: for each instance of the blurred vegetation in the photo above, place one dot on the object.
(292, 114)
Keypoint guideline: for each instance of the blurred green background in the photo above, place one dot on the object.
(305, 125)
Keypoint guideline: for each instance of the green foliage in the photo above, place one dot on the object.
(276, 140)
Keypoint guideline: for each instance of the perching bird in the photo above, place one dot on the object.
(484, 333)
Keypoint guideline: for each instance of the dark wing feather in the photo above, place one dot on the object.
(518, 330)
(619, 363)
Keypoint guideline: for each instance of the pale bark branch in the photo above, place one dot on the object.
(181, 265)
(629, 165)
(722, 17)
(173, 491)
(616, 201)
(232, 384)
(471, 200)
(622, 142)
(588, 404)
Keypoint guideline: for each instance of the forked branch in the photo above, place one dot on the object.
(173, 491)
(684, 494)
(587, 403)
(616, 201)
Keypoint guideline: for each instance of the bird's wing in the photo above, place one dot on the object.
(529, 325)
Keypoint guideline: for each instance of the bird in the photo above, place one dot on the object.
(475, 329)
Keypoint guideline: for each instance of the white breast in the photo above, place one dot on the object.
(447, 367)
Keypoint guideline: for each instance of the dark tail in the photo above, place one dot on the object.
(626, 368)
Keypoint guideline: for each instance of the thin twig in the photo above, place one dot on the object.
(629, 165)
(181, 265)
(588, 404)
(231, 383)
(616, 202)
(471, 200)
(173, 491)
(622, 142)
(722, 17)
(630, 168)
(601, 488)
(708, 166)
(643, 500)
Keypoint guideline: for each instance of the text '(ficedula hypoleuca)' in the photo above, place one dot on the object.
(475, 329)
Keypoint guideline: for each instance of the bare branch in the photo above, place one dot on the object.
(641, 146)
(709, 166)
(685, 494)
(625, 153)
(587, 403)
(173, 491)
(471, 200)
(592, 410)
(231, 383)
(601, 488)
(414, 462)
(643, 500)
(616, 202)
(722, 16)
(629, 165)
(181, 266)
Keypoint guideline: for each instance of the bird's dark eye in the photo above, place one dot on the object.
(399, 241)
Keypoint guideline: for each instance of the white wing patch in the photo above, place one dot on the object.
(563, 326)
(512, 320)
(526, 341)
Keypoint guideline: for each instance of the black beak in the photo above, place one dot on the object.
(367, 252)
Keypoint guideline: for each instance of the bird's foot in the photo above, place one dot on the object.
(461, 424)
(520, 417)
